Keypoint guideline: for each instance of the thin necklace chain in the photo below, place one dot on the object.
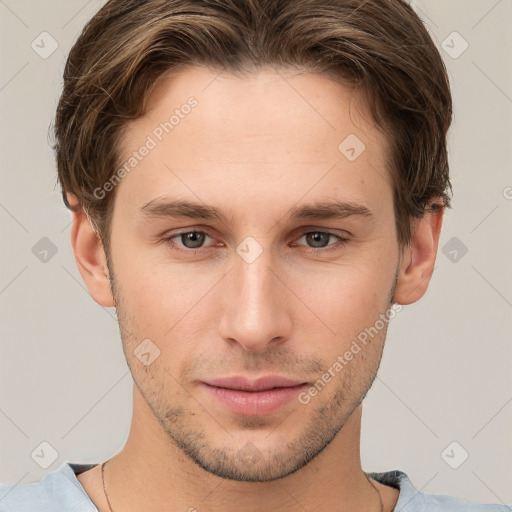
(378, 493)
(110, 506)
(104, 488)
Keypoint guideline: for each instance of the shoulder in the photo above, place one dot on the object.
(412, 500)
(56, 491)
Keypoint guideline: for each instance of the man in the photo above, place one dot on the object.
(258, 188)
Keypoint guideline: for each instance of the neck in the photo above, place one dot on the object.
(152, 474)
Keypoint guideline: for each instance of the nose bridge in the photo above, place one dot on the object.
(255, 311)
(256, 280)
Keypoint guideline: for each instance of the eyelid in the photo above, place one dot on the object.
(342, 237)
(342, 240)
(170, 236)
(342, 233)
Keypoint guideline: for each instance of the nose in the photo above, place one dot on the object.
(257, 304)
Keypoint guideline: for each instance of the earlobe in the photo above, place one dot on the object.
(90, 259)
(418, 258)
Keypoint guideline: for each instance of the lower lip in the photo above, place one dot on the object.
(254, 403)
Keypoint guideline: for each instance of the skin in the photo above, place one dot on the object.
(255, 146)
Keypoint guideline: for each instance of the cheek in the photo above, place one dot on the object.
(348, 298)
(165, 301)
(165, 304)
(156, 292)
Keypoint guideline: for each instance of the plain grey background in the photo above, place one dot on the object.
(446, 372)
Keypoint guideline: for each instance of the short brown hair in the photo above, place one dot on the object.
(380, 47)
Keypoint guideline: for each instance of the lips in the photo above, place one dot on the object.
(256, 397)
(261, 384)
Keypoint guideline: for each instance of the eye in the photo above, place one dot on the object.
(320, 239)
(190, 240)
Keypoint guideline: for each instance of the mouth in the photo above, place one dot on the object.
(259, 397)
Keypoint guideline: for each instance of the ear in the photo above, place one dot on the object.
(419, 257)
(90, 257)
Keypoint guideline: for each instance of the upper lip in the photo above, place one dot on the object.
(260, 384)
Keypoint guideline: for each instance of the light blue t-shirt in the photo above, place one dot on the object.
(60, 491)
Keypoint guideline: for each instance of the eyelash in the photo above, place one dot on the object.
(341, 241)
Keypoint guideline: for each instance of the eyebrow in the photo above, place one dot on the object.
(330, 210)
(336, 210)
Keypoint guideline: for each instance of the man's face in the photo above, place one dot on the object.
(261, 291)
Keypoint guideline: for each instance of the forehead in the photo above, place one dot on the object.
(266, 102)
(264, 135)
